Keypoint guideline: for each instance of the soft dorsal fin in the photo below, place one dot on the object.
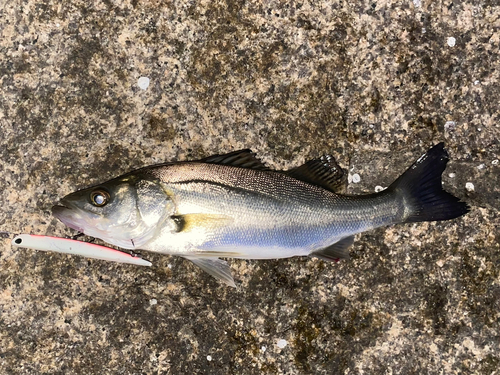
(339, 250)
(323, 172)
(242, 158)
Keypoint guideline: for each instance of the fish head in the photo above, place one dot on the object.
(125, 211)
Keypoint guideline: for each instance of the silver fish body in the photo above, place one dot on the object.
(231, 206)
(262, 214)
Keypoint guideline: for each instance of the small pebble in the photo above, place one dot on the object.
(356, 178)
(281, 343)
(143, 83)
(263, 349)
(153, 301)
(469, 186)
(494, 162)
(209, 358)
(379, 188)
(452, 175)
(480, 166)
(451, 41)
(450, 125)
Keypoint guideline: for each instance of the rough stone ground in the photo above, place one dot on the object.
(374, 83)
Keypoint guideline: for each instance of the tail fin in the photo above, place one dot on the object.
(422, 189)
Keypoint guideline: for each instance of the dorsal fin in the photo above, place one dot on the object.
(242, 158)
(323, 172)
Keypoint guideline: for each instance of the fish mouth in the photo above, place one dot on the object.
(68, 216)
(61, 209)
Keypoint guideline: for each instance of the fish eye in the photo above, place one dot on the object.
(99, 197)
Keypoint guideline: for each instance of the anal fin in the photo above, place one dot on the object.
(339, 250)
(216, 267)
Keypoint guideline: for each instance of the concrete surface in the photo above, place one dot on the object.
(373, 83)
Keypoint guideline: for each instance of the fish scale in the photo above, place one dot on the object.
(301, 219)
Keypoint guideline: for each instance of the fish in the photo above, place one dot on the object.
(234, 206)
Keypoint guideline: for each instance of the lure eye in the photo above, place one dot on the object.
(99, 198)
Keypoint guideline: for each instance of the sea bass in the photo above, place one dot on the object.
(233, 206)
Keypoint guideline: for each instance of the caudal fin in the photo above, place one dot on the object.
(422, 189)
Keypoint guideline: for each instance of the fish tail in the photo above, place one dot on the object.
(422, 191)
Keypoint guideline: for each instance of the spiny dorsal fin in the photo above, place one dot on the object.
(242, 158)
(339, 250)
(323, 172)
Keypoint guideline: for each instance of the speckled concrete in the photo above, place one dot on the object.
(373, 83)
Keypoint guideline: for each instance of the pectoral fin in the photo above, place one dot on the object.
(339, 250)
(189, 222)
(216, 267)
